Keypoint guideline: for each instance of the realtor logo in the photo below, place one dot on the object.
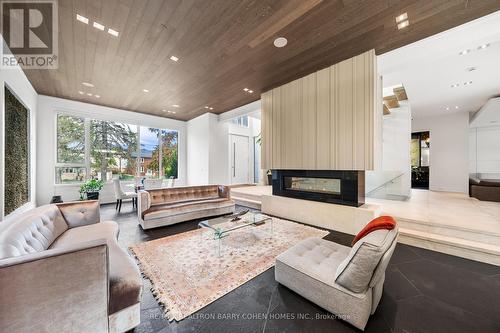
(29, 29)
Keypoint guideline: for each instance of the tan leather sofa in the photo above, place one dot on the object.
(62, 270)
(167, 206)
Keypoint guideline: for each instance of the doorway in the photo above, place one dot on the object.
(239, 159)
(420, 159)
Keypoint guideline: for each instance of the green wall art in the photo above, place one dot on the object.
(17, 153)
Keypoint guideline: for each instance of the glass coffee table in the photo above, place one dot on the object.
(224, 225)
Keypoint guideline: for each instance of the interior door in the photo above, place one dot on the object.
(239, 159)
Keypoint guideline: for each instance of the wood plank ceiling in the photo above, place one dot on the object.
(224, 46)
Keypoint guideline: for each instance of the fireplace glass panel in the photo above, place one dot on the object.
(312, 184)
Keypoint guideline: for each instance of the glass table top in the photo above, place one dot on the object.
(224, 224)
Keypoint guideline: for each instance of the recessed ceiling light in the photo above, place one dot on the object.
(163, 110)
(467, 83)
(207, 107)
(245, 89)
(81, 92)
(98, 26)
(175, 106)
(250, 91)
(145, 90)
(447, 108)
(173, 112)
(89, 94)
(456, 107)
(113, 32)
(401, 17)
(211, 108)
(464, 52)
(174, 58)
(97, 96)
(455, 85)
(483, 46)
(403, 24)
(82, 19)
(87, 84)
(280, 42)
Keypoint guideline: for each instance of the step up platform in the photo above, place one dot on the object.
(450, 223)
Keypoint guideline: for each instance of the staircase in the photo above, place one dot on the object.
(455, 240)
(387, 186)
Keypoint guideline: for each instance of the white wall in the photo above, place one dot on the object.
(207, 144)
(16, 81)
(449, 150)
(49, 107)
(218, 143)
(485, 152)
(208, 149)
(198, 133)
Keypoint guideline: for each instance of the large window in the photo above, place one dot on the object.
(89, 148)
(149, 145)
(71, 140)
(158, 153)
(113, 149)
(70, 166)
(169, 153)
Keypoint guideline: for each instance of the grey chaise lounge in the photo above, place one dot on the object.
(345, 281)
(62, 270)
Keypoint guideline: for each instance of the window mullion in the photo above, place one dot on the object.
(87, 147)
(160, 155)
(138, 158)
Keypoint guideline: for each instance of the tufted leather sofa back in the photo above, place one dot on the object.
(33, 231)
(179, 194)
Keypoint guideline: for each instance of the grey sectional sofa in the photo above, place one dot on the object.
(345, 281)
(62, 270)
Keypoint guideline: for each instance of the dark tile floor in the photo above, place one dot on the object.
(424, 291)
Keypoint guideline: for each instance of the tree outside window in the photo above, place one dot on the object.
(112, 147)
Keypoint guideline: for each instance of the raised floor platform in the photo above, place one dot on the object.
(451, 223)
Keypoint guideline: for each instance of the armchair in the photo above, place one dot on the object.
(345, 281)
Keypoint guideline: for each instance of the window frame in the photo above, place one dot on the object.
(56, 147)
(87, 156)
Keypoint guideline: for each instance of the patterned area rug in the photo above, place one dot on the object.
(187, 274)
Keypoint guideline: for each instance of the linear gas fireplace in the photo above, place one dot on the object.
(333, 186)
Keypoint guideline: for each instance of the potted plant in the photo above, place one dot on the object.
(91, 188)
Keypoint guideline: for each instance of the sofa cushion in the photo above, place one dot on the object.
(315, 257)
(30, 232)
(179, 194)
(80, 213)
(125, 281)
(170, 209)
(106, 230)
(356, 271)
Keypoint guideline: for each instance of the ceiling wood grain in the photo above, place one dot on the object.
(224, 46)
